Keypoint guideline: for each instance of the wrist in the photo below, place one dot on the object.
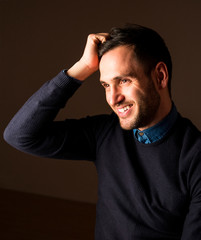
(80, 71)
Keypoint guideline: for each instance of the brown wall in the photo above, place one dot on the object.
(40, 38)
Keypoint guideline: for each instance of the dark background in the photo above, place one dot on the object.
(40, 38)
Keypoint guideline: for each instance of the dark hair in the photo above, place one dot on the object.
(149, 47)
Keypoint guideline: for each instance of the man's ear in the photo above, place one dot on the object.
(161, 74)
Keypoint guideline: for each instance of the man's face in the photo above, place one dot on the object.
(129, 91)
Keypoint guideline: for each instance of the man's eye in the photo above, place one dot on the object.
(124, 81)
(105, 85)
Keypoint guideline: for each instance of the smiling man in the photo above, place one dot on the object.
(129, 91)
(147, 156)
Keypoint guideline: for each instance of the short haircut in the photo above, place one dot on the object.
(149, 47)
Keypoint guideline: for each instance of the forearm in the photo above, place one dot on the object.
(80, 71)
(33, 130)
(40, 110)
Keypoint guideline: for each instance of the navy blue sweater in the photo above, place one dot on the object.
(145, 191)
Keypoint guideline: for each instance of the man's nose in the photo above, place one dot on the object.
(115, 96)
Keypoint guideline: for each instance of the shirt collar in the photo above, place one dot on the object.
(159, 130)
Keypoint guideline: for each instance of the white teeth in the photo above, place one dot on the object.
(124, 109)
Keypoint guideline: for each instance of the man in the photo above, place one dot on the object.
(148, 157)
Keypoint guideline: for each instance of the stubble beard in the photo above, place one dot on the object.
(147, 108)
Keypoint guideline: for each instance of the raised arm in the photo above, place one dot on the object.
(33, 128)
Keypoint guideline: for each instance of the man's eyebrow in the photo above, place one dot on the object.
(102, 82)
(132, 74)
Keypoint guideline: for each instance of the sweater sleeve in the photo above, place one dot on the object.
(192, 224)
(33, 129)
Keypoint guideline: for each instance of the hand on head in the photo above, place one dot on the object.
(89, 62)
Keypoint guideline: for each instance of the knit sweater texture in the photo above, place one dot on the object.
(145, 191)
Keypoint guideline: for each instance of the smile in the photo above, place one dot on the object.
(124, 109)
